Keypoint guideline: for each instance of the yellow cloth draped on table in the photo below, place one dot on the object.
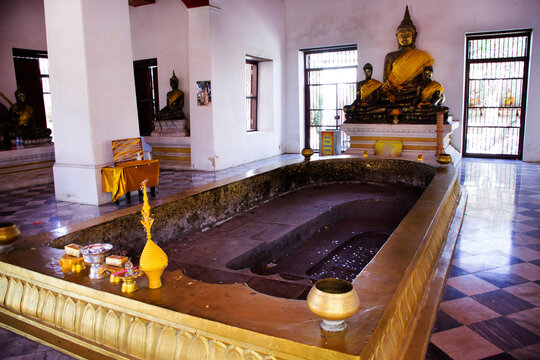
(128, 177)
(408, 66)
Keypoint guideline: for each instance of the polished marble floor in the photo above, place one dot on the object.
(491, 304)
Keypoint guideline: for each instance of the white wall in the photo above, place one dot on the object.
(441, 27)
(22, 25)
(256, 28)
(92, 91)
(160, 31)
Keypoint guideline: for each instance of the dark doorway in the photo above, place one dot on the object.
(497, 67)
(33, 79)
(146, 89)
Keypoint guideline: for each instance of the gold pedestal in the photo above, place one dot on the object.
(154, 277)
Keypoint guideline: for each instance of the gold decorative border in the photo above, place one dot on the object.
(108, 329)
(391, 338)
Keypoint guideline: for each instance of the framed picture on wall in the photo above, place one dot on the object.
(204, 93)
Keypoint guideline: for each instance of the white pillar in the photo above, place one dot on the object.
(92, 89)
(200, 69)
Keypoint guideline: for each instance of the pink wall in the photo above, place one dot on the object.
(22, 25)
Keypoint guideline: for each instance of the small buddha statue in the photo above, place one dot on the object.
(23, 125)
(430, 92)
(175, 102)
(4, 127)
(366, 91)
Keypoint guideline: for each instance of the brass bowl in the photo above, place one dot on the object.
(307, 153)
(9, 232)
(444, 159)
(333, 300)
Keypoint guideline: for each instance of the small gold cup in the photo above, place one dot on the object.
(365, 153)
(420, 157)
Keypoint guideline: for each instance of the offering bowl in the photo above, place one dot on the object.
(307, 153)
(333, 300)
(444, 159)
(95, 256)
(9, 232)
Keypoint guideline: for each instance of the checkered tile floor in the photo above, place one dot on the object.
(491, 304)
(35, 210)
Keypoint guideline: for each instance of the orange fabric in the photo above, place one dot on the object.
(368, 88)
(128, 176)
(430, 89)
(409, 65)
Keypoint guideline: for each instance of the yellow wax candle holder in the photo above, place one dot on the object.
(153, 259)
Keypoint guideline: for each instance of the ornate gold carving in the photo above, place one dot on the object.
(400, 318)
(109, 330)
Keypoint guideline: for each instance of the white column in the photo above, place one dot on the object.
(92, 89)
(200, 69)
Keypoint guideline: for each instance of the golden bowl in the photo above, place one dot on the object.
(444, 159)
(9, 232)
(306, 153)
(333, 300)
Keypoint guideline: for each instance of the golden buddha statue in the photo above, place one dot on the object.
(175, 102)
(23, 125)
(367, 90)
(407, 86)
(403, 67)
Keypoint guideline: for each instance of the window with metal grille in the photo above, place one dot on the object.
(330, 83)
(495, 94)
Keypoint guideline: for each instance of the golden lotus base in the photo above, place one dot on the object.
(187, 319)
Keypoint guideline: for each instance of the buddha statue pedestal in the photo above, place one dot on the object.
(171, 144)
(416, 139)
(25, 167)
(175, 127)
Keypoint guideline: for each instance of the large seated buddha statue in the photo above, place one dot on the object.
(407, 87)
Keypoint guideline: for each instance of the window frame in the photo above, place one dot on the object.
(468, 61)
(252, 99)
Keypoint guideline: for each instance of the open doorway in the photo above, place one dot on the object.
(146, 89)
(497, 66)
(330, 83)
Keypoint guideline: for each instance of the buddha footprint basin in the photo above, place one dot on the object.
(222, 244)
(284, 245)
